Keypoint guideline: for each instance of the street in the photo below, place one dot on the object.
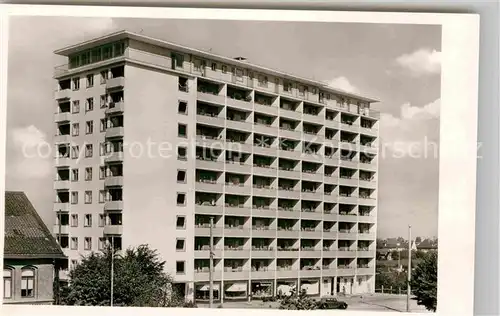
(373, 302)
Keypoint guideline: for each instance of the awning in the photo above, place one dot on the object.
(206, 287)
(237, 287)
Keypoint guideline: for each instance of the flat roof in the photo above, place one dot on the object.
(123, 34)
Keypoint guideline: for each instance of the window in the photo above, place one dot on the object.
(74, 175)
(287, 86)
(74, 220)
(75, 152)
(88, 197)
(102, 220)
(103, 100)
(103, 125)
(7, 283)
(214, 66)
(90, 81)
(224, 69)
(76, 129)
(102, 196)
(263, 81)
(179, 244)
(27, 282)
(181, 221)
(181, 153)
(88, 174)
(102, 172)
(88, 220)
(74, 263)
(239, 74)
(182, 107)
(181, 198)
(102, 149)
(74, 197)
(76, 106)
(90, 127)
(182, 130)
(180, 267)
(104, 76)
(102, 243)
(89, 104)
(87, 243)
(74, 243)
(181, 176)
(88, 150)
(76, 83)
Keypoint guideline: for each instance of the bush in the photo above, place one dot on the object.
(298, 302)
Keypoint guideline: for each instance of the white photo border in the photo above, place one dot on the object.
(458, 137)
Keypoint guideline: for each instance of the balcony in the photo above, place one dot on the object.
(330, 197)
(291, 154)
(366, 236)
(63, 94)
(210, 142)
(211, 120)
(116, 156)
(236, 232)
(346, 199)
(61, 207)
(113, 229)
(266, 109)
(236, 253)
(289, 174)
(62, 185)
(263, 212)
(62, 161)
(318, 119)
(204, 253)
(365, 271)
(315, 273)
(237, 211)
(312, 137)
(288, 194)
(208, 186)
(114, 83)
(290, 134)
(371, 131)
(368, 184)
(207, 209)
(291, 114)
(349, 218)
(353, 182)
(310, 253)
(263, 232)
(345, 271)
(311, 196)
(235, 274)
(210, 164)
(239, 104)
(203, 230)
(349, 127)
(288, 213)
(238, 189)
(211, 98)
(265, 191)
(113, 181)
(264, 129)
(263, 253)
(366, 253)
(115, 107)
(370, 150)
(312, 176)
(113, 205)
(287, 273)
(263, 171)
(62, 139)
(312, 215)
(115, 132)
(369, 166)
(349, 235)
(242, 126)
(315, 234)
(330, 253)
(262, 275)
(330, 216)
(62, 117)
(370, 219)
(329, 271)
(346, 252)
(349, 163)
(202, 276)
(367, 201)
(238, 167)
(266, 151)
(288, 254)
(63, 229)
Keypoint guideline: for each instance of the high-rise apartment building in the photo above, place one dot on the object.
(154, 139)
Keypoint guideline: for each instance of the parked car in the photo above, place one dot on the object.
(331, 303)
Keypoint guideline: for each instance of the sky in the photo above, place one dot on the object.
(396, 64)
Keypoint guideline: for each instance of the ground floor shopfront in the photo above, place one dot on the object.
(235, 290)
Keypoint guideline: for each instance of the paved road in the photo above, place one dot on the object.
(375, 302)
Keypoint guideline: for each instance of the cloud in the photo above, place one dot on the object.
(414, 133)
(421, 62)
(33, 153)
(342, 83)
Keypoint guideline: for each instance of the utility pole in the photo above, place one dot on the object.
(211, 266)
(409, 271)
(112, 267)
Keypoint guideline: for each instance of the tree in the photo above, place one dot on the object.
(298, 302)
(139, 280)
(418, 240)
(424, 281)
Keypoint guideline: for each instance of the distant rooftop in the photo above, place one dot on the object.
(240, 61)
(26, 235)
